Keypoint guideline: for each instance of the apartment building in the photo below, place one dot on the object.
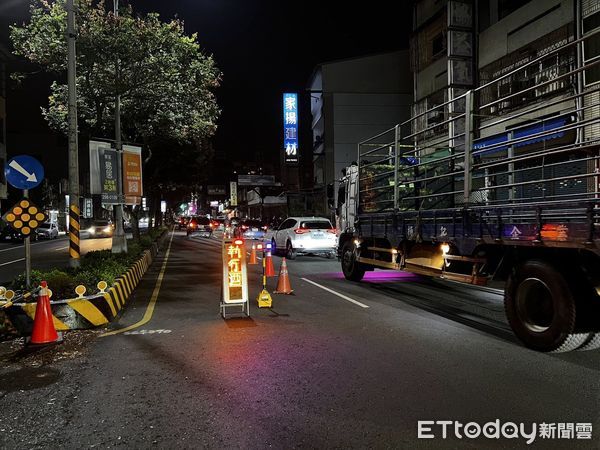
(532, 68)
(351, 100)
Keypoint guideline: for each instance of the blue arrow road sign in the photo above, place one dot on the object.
(24, 172)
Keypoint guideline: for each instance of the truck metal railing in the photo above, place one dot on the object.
(544, 147)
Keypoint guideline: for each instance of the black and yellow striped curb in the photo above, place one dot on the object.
(87, 312)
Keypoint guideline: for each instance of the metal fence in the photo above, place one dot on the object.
(474, 151)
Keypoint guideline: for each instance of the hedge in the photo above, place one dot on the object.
(95, 266)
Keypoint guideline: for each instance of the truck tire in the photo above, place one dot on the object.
(540, 308)
(591, 343)
(353, 270)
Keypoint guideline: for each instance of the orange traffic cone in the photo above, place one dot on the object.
(283, 283)
(269, 269)
(253, 259)
(43, 323)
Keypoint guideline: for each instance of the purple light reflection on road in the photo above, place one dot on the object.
(382, 276)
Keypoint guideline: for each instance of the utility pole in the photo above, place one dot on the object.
(74, 250)
(119, 242)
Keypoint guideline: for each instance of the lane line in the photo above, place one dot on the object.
(12, 262)
(61, 248)
(150, 309)
(22, 246)
(362, 305)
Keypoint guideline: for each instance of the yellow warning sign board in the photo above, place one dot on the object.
(235, 277)
(25, 217)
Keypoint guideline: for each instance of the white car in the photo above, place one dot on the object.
(47, 230)
(302, 235)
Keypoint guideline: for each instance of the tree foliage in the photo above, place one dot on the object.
(165, 81)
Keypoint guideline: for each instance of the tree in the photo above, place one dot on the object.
(165, 81)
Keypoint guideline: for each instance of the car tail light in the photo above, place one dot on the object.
(192, 225)
(301, 230)
(264, 228)
(244, 227)
(331, 230)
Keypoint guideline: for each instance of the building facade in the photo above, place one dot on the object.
(532, 69)
(351, 100)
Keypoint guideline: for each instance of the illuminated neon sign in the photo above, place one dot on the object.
(290, 127)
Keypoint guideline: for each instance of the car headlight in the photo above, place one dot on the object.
(91, 230)
(107, 230)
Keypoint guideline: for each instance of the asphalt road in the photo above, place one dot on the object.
(354, 366)
(45, 254)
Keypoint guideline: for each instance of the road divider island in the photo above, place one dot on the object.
(109, 280)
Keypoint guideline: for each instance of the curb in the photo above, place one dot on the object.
(91, 311)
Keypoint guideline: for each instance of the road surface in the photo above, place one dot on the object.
(337, 365)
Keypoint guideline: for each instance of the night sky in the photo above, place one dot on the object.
(262, 48)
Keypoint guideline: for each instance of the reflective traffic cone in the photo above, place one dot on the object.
(253, 259)
(269, 269)
(283, 282)
(43, 323)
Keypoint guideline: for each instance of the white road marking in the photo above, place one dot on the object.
(12, 262)
(362, 305)
(148, 332)
(22, 246)
(61, 248)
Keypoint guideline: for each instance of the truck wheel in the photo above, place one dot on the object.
(541, 309)
(591, 343)
(353, 270)
(290, 253)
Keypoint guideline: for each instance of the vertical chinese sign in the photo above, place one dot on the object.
(109, 171)
(233, 199)
(235, 278)
(290, 127)
(132, 174)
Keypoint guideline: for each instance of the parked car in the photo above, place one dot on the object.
(251, 229)
(303, 235)
(199, 226)
(100, 228)
(47, 230)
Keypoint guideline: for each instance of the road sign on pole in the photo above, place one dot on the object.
(24, 172)
(25, 217)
